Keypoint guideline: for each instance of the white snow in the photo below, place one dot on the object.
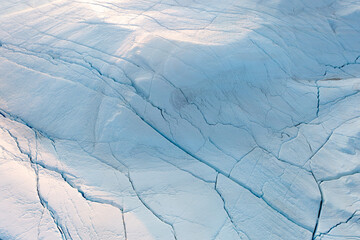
(180, 119)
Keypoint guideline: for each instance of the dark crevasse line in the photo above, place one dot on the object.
(241, 158)
(317, 220)
(344, 65)
(18, 119)
(318, 99)
(338, 224)
(320, 207)
(341, 175)
(124, 225)
(333, 102)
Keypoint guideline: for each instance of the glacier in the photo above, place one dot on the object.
(180, 119)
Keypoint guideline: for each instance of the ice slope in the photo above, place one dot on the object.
(180, 119)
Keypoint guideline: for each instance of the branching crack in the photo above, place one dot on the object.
(345, 64)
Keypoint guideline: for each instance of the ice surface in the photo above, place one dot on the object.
(180, 119)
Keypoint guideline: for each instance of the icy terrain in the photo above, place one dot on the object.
(180, 119)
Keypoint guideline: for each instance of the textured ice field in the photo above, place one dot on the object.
(180, 119)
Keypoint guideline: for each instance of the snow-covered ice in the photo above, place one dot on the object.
(180, 119)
